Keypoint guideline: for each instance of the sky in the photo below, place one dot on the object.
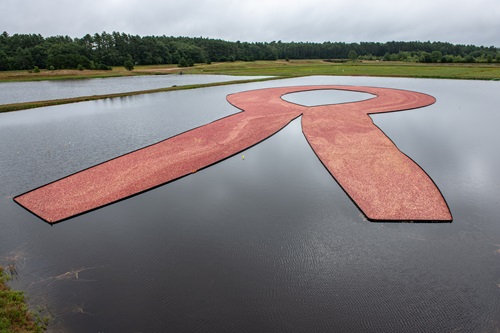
(474, 22)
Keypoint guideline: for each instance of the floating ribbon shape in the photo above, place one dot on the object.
(382, 181)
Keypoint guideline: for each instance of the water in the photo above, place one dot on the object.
(18, 92)
(265, 244)
(324, 97)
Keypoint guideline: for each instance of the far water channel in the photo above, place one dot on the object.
(269, 243)
(18, 92)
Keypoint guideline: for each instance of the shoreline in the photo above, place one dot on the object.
(278, 69)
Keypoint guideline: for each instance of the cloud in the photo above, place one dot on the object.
(264, 20)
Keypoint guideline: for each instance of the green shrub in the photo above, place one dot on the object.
(14, 313)
(183, 62)
(128, 64)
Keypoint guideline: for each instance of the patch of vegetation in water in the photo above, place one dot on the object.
(14, 313)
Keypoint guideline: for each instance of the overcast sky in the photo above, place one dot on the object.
(456, 21)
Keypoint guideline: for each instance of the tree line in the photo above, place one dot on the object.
(101, 51)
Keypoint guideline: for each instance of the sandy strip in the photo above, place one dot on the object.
(383, 182)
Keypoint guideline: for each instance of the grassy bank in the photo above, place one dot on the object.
(73, 74)
(296, 68)
(14, 314)
(281, 68)
(278, 69)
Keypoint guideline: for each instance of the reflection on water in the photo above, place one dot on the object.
(17, 92)
(324, 97)
(262, 244)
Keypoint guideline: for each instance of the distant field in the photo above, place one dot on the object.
(387, 69)
(282, 68)
(279, 69)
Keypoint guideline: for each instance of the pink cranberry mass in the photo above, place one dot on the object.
(382, 181)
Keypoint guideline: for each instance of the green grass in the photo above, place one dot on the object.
(14, 313)
(292, 68)
(295, 68)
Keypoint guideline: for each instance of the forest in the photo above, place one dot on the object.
(101, 51)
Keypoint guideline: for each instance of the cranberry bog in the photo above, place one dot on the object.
(268, 241)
